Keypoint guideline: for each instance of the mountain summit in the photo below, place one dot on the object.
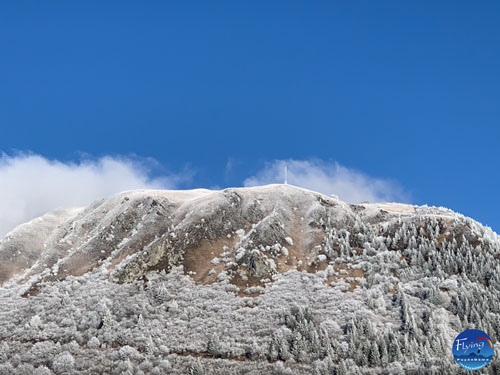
(271, 279)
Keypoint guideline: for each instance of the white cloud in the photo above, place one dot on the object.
(31, 185)
(329, 178)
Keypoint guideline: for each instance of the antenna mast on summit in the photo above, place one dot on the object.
(286, 171)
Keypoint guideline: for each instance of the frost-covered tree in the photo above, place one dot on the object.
(196, 368)
(63, 363)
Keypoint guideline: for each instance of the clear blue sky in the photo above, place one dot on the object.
(396, 89)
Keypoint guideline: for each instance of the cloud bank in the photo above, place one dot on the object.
(31, 185)
(329, 178)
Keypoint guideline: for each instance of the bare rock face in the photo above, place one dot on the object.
(240, 232)
(245, 235)
(272, 279)
(24, 246)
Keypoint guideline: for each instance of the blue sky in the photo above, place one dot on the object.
(216, 92)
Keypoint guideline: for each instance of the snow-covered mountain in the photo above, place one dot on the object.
(273, 279)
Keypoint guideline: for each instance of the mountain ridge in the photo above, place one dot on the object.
(103, 216)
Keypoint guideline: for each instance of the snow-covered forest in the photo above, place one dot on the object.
(267, 280)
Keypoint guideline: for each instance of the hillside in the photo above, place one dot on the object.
(265, 280)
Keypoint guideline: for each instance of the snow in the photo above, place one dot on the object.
(322, 257)
(93, 253)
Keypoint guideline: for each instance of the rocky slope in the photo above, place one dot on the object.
(272, 279)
